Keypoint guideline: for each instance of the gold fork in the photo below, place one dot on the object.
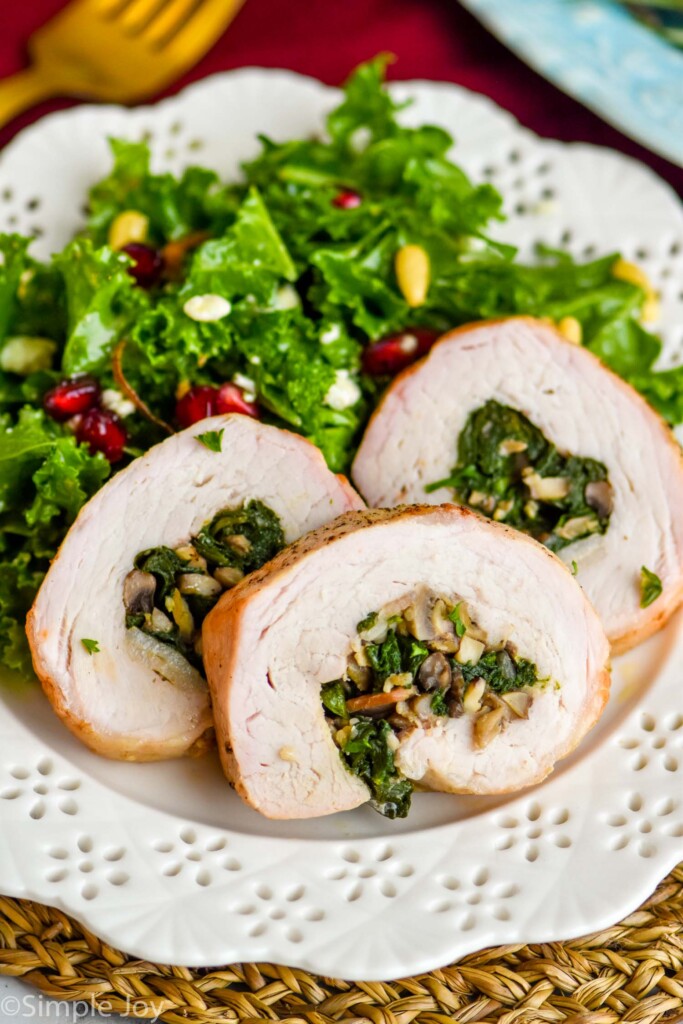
(115, 50)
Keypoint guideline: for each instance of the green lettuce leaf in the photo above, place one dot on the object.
(13, 262)
(250, 258)
(23, 447)
(175, 206)
(19, 582)
(366, 104)
(31, 305)
(40, 309)
(663, 390)
(177, 346)
(45, 478)
(292, 375)
(102, 300)
(64, 482)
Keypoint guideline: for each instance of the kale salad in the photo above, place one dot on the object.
(293, 295)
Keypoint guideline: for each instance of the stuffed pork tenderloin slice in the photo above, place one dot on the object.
(115, 630)
(415, 646)
(514, 421)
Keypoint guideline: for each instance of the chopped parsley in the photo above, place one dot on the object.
(650, 587)
(212, 439)
(457, 621)
(91, 646)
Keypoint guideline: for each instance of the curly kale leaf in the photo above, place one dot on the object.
(102, 303)
(175, 206)
(45, 478)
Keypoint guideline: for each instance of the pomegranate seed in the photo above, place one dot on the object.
(347, 200)
(70, 397)
(103, 432)
(390, 355)
(231, 398)
(196, 404)
(147, 263)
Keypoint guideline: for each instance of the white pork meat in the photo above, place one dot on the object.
(136, 698)
(583, 409)
(273, 641)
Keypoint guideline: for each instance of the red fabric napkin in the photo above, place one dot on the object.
(434, 39)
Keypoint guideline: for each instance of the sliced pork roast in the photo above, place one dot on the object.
(392, 648)
(115, 630)
(514, 421)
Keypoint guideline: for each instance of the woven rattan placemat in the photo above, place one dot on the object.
(632, 972)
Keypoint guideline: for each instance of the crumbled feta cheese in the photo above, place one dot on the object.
(287, 297)
(207, 308)
(360, 139)
(333, 333)
(244, 382)
(408, 344)
(23, 355)
(255, 360)
(343, 393)
(117, 403)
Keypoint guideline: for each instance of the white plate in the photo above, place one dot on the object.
(164, 860)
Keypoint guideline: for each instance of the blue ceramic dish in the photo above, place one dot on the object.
(598, 52)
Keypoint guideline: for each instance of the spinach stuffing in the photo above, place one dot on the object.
(399, 682)
(507, 469)
(170, 591)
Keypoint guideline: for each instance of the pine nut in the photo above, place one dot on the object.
(570, 328)
(412, 274)
(129, 226)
